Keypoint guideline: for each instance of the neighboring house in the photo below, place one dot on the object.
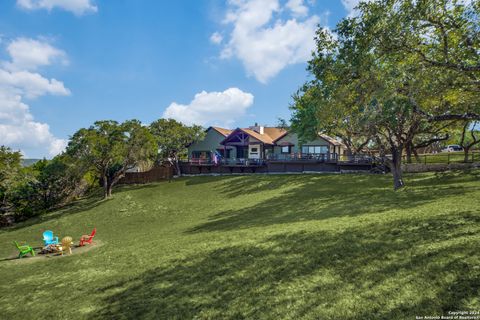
(259, 143)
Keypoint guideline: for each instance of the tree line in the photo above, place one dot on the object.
(399, 76)
(99, 155)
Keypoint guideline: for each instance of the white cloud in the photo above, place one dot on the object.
(78, 7)
(212, 108)
(264, 42)
(297, 7)
(31, 85)
(216, 38)
(18, 128)
(29, 54)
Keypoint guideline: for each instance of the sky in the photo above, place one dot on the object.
(65, 64)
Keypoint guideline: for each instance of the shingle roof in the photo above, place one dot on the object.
(269, 136)
(275, 133)
(272, 134)
(261, 137)
(222, 131)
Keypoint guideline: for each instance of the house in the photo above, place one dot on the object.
(262, 143)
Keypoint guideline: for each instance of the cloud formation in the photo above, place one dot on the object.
(29, 54)
(216, 38)
(77, 7)
(18, 128)
(267, 36)
(212, 108)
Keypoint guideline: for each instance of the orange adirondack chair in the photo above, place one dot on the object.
(87, 238)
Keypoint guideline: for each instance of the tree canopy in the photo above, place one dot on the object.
(111, 148)
(173, 138)
(393, 77)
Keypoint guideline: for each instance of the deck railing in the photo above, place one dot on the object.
(358, 158)
(307, 157)
(300, 157)
(317, 157)
(228, 162)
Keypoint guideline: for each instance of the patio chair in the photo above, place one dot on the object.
(24, 250)
(87, 238)
(67, 243)
(49, 239)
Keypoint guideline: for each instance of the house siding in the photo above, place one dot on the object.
(210, 143)
(296, 148)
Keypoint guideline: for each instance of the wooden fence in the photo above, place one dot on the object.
(156, 174)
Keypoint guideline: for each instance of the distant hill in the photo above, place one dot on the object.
(29, 162)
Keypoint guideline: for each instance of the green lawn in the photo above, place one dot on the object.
(258, 247)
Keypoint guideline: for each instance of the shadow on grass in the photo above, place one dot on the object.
(309, 198)
(89, 202)
(78, 206)
(376, 271)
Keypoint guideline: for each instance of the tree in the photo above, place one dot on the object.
(467, 136)
(110, 149)
(376, 80)
(57, 180)
(173, 138)
(10, 166)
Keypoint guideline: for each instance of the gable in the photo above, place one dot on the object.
(211, 141)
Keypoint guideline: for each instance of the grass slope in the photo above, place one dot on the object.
(276, 247)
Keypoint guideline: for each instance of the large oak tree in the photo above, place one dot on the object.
(394, 76)
(111, 148)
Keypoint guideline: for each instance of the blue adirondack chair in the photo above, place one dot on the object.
(49, 239)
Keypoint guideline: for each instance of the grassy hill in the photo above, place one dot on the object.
(276, 247)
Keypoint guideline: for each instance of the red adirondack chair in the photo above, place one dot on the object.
(87, 238)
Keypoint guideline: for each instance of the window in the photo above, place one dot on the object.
(314, 149)
(286, 149)
(254, 150)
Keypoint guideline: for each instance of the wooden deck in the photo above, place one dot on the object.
(294, 164)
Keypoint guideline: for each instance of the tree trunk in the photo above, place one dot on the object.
(176, 165)
(396, 168)
(107, 187)
(109, 190)
(408, 150)
(466, 150)
(417, 157)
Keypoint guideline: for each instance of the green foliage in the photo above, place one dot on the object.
(10, 166)
(30, 191)
(173, 138)
(57, 180)
(258, 247)
(111, 148)
(392, 76)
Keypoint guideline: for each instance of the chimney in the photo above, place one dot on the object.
(257, 128)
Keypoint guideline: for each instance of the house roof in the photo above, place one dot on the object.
(265, 138)
(270, 135)
(222, 131)
(275, 133)
(331, 140)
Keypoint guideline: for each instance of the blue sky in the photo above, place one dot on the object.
(67, 63)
